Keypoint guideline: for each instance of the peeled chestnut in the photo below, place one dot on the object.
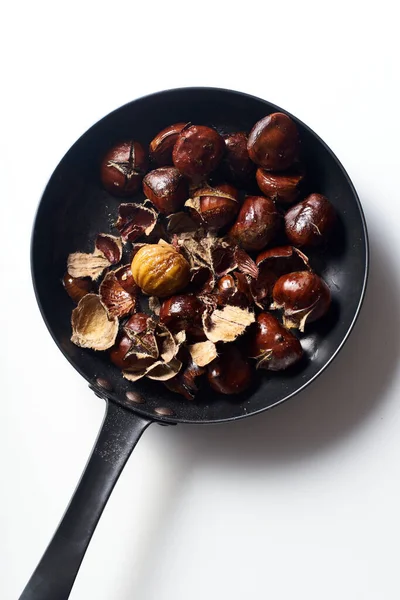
(280, 187)
(274, 142)
(77, 287)
(166, 188)
(161, 146)
(236, 164)
(303, 297)
(183, 312)
(230, 373)
(213, 208)
(159, 270)
(274, 347)
(257, 224)
(123, 167)
(198, 151)
(310, 222)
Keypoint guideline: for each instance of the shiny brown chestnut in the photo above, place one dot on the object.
(233, 290)
(274, 347)
(160, 148)
(236, 164)
(257, 224)
(310, 222)
(284, 188)
(183, 312)
(230, 373)
(137, 324)
(214, 208)
(123, 167)
(77, 287)
(198, 151)
(274, 142)
(166, 188)
(303, 296)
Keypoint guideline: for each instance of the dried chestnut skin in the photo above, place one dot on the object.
(77, 287)
(274, 142)
(236, 164)
(183, 312)
(198, 151)
(303, 296)
(160, 270)
(257, 224)
(272, 345)
(123, 167)
(166, 188)
(230, 373)
(214, 208)
(310, 222)
(161, 146)
(284, 188)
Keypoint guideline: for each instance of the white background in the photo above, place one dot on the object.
(301, 502)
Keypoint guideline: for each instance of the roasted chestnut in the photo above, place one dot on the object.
(183, 312)
(280, 187)
(166, 188)
(123, 167)
(161, 146)
(236, 164)
(274, 347)
(214, 207)
(257, 224)
(185, 382)
(230, 373)
(77, 287)
(233, 290)
(274, 142)
(159, 270)
(136, 324)
(303, 297)
(198, 151)
(310, 222)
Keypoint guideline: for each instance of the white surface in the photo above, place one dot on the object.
(302, 502)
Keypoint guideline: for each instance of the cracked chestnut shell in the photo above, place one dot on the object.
(138, 324)
(160, 270)
(257, 224)
(160, 148)
(310, 222)
(166, 188)
(284, 188)
(274, 142)
(274, 347)
(230, 373)
(184, 312)
(236, 164)
(214, 208)
(198, 151)
(77, 287)
(123, 167)
(303, 296)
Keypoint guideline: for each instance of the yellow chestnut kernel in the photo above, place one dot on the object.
(159, 270)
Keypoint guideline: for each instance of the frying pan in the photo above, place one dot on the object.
(74, 208)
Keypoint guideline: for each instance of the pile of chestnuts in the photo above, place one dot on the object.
(215, 279)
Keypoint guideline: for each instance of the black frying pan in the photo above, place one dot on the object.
(74, 208)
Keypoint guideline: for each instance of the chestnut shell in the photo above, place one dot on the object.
(217, 206)
(257, 224)
(275, 347)
(274, 142)
(310, 222)
(198, 151)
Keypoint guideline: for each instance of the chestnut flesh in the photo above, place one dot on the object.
(303, 296)
(160, 148)
(274, 347)
(198, 151)
(310, 222)
(214, 208)
(274, 142)
(230, 373)
(284, 187)
(257, 224)
(166, 188)
(236, 164)
(123, 167)
(183, 312)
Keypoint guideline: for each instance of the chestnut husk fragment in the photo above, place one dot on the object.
(123, 167)
(302, 296)
(203, 353)
(160, 148)
(131, 362)
(226, 324)
(257, 223)
(135, 220)
(198, 151)
(236, 164)
(92, 327)
(230, 373)
(284, 187)
(118, 302)
(77, 287)
(310, 222)
(110, 246)
(166, 188)
(180, 222)
(274, 347)
(273, 142)
(83, 264)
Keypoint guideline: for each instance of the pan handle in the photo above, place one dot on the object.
(56, 572)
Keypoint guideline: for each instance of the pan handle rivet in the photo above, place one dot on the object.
(163, 411)
(134, 397)
(104, 383)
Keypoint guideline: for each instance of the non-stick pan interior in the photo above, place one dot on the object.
(74, 208)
